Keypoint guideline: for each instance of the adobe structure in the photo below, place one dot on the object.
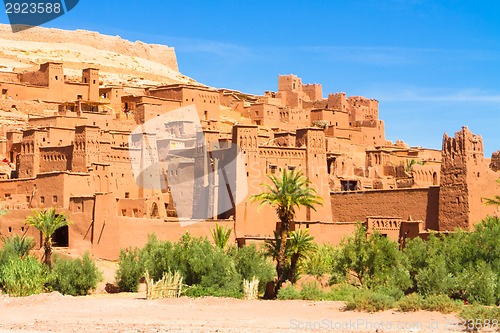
(80, 160)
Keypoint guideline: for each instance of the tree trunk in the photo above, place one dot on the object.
(293, 267)
(47, 245)
(280, 265)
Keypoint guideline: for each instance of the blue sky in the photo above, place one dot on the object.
(434, 66)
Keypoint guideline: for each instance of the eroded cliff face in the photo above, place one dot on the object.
(120, 60)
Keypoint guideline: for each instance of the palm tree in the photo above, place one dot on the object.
(288, 192)
(300, 245)
(47, 222)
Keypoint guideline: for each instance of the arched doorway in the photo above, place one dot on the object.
(435, 178)
(154, 211)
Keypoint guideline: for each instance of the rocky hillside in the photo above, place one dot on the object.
(121, 61)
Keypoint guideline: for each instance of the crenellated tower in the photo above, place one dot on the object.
(313, 139)
(86, 147)
(461, 173)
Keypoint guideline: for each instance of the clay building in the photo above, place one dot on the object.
(48, 83)
(195, 173)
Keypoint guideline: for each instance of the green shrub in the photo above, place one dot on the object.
(200, 291)
(157, 257)
(372, 260)
(250, 262)
(440, 303)
(75, 277)
(435, 278)
(23, 277)
(409, 303)
(310, 291)
(343, 292)
(392, 291)
(202, 264)
(478, 284)
(479, 316)
(370, 301)
(288, 293)
(130, 270)
(320, 262)
(16, 246)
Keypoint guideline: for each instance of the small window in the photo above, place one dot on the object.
(54, 198)
(127, 195)
(57, 77)
(42, 199)
(7, 196)
(124, 212)
(28, 198)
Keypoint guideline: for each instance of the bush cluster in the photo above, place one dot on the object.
(438, 274)
(206, 269)
(76, 277)
(462, 266)
(21, 274)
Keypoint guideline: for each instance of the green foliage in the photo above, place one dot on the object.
(157, 257)
(410, 303)
(310, 291)
(370, 301)
(441, 303)
(207, 269)
(288, 293)
(16, 246)
(410, 163)
(299, 247)
(3, 211)
(198, 261)
(250, 262)
(221, 235)
(320, 262)
(287, 193)
(478, 284)
(22, 277)
(130, 270)
(47, 222)
(200, 291)
(75, 277)
(482, 316)
(372, 261)
(342, 292)
(462, 265)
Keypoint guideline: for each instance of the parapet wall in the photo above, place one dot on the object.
(417, 203)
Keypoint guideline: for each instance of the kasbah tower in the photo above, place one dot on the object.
(76, 149)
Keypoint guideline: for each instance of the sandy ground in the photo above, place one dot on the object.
(131, 312)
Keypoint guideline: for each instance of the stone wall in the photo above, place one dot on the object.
(417, 203)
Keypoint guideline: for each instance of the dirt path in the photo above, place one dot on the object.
(131, 313)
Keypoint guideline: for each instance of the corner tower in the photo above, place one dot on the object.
(462, 172)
